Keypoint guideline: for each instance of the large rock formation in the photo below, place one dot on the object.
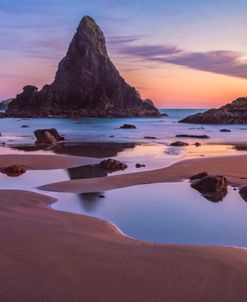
(232, 113)
(87, 84)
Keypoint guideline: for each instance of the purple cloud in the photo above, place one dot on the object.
(148, 51)
(220, 62)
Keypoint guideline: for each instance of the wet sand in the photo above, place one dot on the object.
(54, 256)
(233, 167)
(45, 162)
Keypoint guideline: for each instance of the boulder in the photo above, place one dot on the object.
(193, 136)
(112, 165)
(14, 170)
(150, 137)
(138, 166)
(232, 113)
(197, 144)
(179, 144)
(128, 126)
(214, 188)
(47, 136)
(87, 84)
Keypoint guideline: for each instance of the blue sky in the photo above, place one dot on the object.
(155, 44)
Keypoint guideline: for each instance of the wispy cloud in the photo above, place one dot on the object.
(224, 62)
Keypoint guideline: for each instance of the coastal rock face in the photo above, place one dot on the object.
(5, 103)
(232, 113)
(86, 84)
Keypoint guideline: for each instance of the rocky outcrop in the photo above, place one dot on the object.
(179, 144)
(192, 136)
(232, 113)
(112, 165)
(214, 188)
(225, 130)
(87, 84)
(5, 103)
(47, 136)
(128, 126)
(14, 170)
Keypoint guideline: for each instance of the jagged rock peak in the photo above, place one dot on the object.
(89, 32)
(87, 84)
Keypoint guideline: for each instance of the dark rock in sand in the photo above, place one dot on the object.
(241, 147)
(112, 165)
(150, 137)
(193, 136)
(199, 176)
(225, 130)
(24, 126)
(140, 166)
(243, 193)
(197, 144)
(14, 170)
(47, 136)
(128, 126)
(87, 84)
(232, 113)
(214, 188)
(179, 144)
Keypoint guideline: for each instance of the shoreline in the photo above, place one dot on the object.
(88, 259)
(232, 167)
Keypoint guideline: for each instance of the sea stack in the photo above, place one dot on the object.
(232, 113)
(87, 84)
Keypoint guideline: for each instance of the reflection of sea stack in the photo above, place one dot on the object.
(86, 84)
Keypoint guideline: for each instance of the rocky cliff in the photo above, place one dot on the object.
(86, 84)
(232, 113)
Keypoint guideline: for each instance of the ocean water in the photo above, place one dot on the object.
(167, 213)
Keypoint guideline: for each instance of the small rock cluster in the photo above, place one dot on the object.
(14, 170)
(112, 165)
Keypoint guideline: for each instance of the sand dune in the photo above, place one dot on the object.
(53, 256)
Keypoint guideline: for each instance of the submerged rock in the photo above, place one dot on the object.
(193, 136)
(150, 137)
(14, 170)
(87, 84)
(112, 165)
(47, 136)
(214, 188)
(179, 144)
(225, 130)
(128, 126)
(140, 166)
(232, 113)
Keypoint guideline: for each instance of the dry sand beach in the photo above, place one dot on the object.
(48, 255)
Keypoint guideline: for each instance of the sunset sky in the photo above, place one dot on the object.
(180, 53)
